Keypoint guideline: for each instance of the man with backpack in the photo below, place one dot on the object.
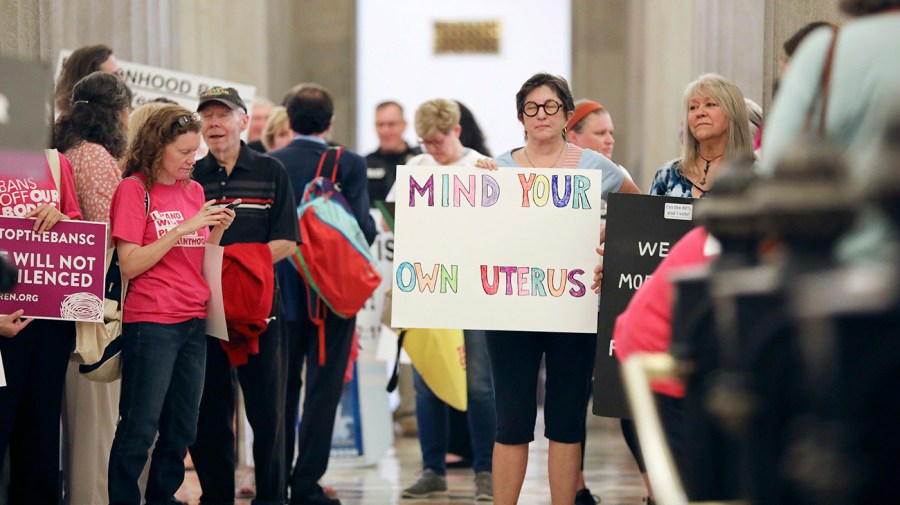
(310, 109)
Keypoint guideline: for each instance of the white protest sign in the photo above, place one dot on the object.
(148, 83)
(511, 249)
(368, 319)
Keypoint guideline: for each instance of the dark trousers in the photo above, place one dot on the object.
(324, 385)
(35, 363)
(672, 418)
(629, 432)
(263, 381)
(162, 381)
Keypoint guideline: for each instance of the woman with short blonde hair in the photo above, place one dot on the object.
(438, 115)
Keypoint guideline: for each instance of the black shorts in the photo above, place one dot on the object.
(516, 360)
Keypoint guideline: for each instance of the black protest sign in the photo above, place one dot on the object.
(640, 230)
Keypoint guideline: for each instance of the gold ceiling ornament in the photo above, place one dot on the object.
(467, 37)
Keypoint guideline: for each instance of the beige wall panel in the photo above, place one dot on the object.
(137, 30)
(728, 40)
(600, 62)
(225, 39)
(668, 65)
(324, 46)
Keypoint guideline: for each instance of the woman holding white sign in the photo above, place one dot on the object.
(544, 106)
(34, 353)
(161, 251)
(437, 124)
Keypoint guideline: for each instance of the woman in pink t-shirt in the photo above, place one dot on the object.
(160, 225)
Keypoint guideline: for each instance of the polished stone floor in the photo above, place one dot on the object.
(610, 473)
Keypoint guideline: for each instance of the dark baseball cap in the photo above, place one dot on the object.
(227, 96)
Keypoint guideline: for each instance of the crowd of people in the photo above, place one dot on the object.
(140, 171)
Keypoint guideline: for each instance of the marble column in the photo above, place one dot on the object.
(783, 19)
(137, 30)
(600, 62)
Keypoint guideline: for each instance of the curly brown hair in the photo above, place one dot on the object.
(98, 100)
(161, 129)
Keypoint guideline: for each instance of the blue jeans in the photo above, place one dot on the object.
(432, 412)
(163, 366)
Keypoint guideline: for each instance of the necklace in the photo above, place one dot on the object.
(703, 192)
(702, 180)
(564, 149)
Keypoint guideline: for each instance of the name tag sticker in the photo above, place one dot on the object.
(681, 211)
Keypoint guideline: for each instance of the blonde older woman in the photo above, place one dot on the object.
(718, 131)
(277, 131)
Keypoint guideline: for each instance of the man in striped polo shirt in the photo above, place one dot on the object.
(265, 215)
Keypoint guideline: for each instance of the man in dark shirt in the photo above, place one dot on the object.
(392, 150)
(265, 215)
(310, 110)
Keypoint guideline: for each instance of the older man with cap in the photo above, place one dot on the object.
(230, 172)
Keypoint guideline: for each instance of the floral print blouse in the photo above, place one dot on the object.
(96, 176)
(669, 181)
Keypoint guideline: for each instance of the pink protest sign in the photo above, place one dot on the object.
(60, 272)
(25, 182)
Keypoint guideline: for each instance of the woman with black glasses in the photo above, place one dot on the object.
(160, 225)
(544, 106)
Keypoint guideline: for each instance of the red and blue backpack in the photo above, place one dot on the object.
(333, 256)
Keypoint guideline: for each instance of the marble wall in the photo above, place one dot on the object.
(137, 30)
